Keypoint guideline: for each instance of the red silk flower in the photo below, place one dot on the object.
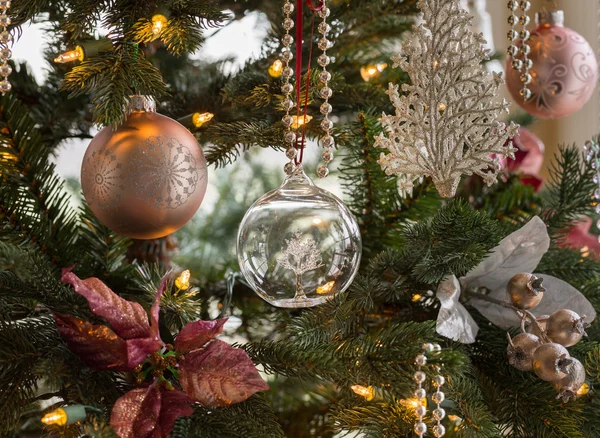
(209, 371)
(529, 158)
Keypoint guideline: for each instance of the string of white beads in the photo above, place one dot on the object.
(5, 52)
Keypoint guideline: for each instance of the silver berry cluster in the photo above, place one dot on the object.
(521, 63)
(324, 77)
(287, 88)
(5, 52)
(438, 396)
(592, 155)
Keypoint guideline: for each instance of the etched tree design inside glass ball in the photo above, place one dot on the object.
(299, 245)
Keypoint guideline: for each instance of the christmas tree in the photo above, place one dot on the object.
(103, 335)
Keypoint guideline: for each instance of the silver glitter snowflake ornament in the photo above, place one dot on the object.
(446, 123)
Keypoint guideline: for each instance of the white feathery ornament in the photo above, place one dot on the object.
(446, 123)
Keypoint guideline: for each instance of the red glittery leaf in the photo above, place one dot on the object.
(219, 375)
(196, 334)
(135, 415)
(175, 404)
(148, 412)
(128, 319)
(97, 345)
(155, 309)
(100, 348)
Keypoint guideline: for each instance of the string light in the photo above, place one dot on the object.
(326, 288)
(367, 392)
(183, 281)
(199, 119)
(583, 389)
(85, 50)
(68, 415)
(276, 69)
(300, 121)
(159, 22)
(369, 72)
(77, 54)
(416, 297)
(58, 417)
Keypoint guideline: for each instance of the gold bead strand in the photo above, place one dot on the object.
(287, 88)
(5, 52)
(325, 92)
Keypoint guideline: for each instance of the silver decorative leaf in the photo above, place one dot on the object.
(559, 295)
(454, 321)
(519, 252)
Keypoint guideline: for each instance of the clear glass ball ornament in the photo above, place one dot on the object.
(299, 245)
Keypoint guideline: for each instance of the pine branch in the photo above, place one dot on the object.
(35, 209)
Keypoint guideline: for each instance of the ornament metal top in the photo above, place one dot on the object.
(446, 122)
(148, 177)
(564, 69)
(299, 245)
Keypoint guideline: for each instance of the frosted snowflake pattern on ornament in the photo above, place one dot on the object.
(300, 256)
(167, 172)
(107, 184)
(446, 122)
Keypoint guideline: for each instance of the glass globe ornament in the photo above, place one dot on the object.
(298, 245)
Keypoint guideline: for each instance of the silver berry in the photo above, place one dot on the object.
(566, 327)
(520, 350)
(568, 386)
(525, 290)
(551, 362)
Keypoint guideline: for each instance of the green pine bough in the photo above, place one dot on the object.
(367, 336)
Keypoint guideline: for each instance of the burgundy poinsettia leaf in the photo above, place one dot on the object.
(155, 309)
(128, 319)
(148, 412)
(100, 347)
(219, 375)
(97, 345)
(175, 404)
(196, 334)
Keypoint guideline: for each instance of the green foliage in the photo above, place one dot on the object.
(368, 335)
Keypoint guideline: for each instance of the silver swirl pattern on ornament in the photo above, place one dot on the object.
(108, 184)
(165, 172)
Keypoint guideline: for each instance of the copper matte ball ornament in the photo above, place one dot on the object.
(564, 70)
(148, 177)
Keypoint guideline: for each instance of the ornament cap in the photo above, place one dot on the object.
(140, 103)
(550, 18)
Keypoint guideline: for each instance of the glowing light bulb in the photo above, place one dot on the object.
(300, 121)
(583, 389)
(183, 281)
(368, 392)
(77, 54)
(199, 119)
(326, 288)
(368, 72)
(416, 297)
(317, 221)
(58, 417)
(276, 69)
(159, 22)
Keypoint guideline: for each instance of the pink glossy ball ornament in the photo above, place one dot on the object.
(564, 72)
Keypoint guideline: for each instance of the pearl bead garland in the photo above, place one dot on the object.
(523, 64)
(287, 104)
(420, 393)
(5, 52)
